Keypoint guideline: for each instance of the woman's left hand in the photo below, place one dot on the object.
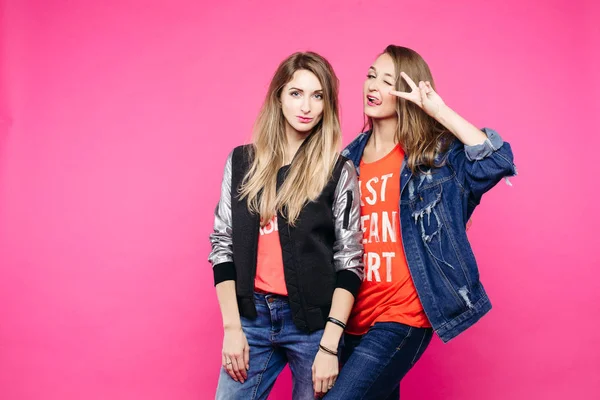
(423, 95)
(325, 371)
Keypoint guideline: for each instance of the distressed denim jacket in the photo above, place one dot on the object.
(435, 206)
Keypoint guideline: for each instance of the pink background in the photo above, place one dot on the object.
(115, 121)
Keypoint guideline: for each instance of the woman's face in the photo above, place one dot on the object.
(381, 78)
(302, 101)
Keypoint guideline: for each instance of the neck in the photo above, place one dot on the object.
(294, 141)
(384, 133)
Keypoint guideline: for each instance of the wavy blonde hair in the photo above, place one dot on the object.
(421, 136)
(312, 165)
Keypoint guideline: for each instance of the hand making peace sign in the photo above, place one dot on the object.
(424, 96)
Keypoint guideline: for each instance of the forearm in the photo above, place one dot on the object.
(341, 306)
(228, 304)
(466, 132)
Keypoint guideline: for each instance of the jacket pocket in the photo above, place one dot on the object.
(348, 209)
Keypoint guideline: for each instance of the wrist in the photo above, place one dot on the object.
(330, 341)
(443, 114)
(328, 350)
(330, 345)
(232, 326)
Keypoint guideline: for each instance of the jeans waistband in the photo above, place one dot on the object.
(263, 297)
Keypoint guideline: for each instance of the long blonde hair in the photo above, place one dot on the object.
(312, 165)
(421, 136)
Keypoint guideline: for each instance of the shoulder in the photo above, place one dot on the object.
(343, 160)
(243, 149)
(354, 144)
(344, 171)
(448, 152)
(240, 159)
(343, 164)
(243, 153)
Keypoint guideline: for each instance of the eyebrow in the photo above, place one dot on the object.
(386, 74)
(300, 90)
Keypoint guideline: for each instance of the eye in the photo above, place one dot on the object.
(319, 96)
(388, 83)
(370, 76)
(295, 93)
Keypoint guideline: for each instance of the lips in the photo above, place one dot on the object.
(373, 101)
(304, 120)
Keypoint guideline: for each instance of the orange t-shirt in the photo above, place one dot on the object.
(269, 261)
(388, 293)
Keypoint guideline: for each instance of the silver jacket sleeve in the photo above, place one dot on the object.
(348, 247)
(220, 239)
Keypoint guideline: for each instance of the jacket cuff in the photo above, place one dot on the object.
(348, 280)
(224, 272)
(485, 149)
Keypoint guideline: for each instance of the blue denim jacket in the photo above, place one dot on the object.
(435, 206)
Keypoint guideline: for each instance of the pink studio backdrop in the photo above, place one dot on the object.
(115, 121)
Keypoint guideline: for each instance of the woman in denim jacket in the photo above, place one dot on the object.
(422, 170)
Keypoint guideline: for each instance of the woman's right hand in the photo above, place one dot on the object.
(236, 354)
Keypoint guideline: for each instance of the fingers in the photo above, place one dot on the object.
(325, 385)
(332, 379)
(322, 385)
(237, 370)
(406, 95)
(423, 90)
(247, 357)
(242, 365)
(429, 87)
(318, 386)
(317, 381)
(228, 365)
(332, 382)
(416, 94)
(403, 95)
(410, 82)
(235, 367)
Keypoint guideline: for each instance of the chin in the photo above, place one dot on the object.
(304, 128)
(378, 115)
(370, 113)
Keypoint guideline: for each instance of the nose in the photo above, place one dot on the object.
(305, 108)
(372, 85)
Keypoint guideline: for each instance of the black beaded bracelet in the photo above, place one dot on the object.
(328, 351)
(337, 322)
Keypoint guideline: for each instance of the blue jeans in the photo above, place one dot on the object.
(375, 363)
(274, 341)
